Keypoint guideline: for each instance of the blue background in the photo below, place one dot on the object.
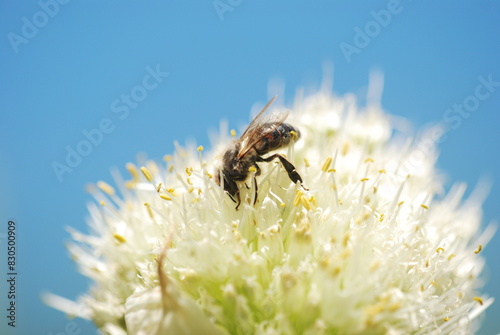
(65, 78)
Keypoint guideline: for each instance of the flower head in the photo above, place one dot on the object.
(372, 246)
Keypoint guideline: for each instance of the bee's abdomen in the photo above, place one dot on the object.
(279, 137)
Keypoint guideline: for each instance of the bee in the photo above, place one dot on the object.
(264, 134)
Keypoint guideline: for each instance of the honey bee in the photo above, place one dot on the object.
(264, 134)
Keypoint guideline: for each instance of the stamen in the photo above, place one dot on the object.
(132, 169)
(165, 197)
(106, 188)
(233, 133)
(146, 173)
(479, 248)
(479, 300)
(119, 238)
(326, 164)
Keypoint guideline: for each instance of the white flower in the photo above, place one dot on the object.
(372, 247)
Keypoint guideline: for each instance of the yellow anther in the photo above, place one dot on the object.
(233, 133)
(382, 171)
(424, 206)
(400, 203)
(479, 300)
(427, 263)
(165, 196)
(283, 204)
(200, 148)
(130, 184)
(132, 169)
(446, 319)
(150, 211)
(346, 238)
(200, 191)
(438, 250)
(167, 158)
(365, 179)
(119, 238)
(326, 164)
(451, 256)
(331, 170)
(209, 175)
(479, 248)
(252, 169)
(103, 203)
(368, 160)
(381, 218)
(298, 197)
(295, 135)
(170, 190)
(146, 173)
(189, 171)
(191, 189)
(158, 188)
(305, 203)
(106, 188)
(345, 149)
(306, 162)
(189, 181)
(374, 266)
(375, 189)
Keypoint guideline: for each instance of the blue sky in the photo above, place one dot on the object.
(148, 73)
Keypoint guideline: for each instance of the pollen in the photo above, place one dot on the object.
(438, 250)
(200, 148)
(369, 160)
(146, 173)
(233, 133)
(400, 203)
(189, 171)
(479, 300)
(382, 171)
(119, 238)
(478, 249)
(345, 149)
(165, 196)
(252, 169)
(150, 211)
(295, 135)
(132, 169)
(326, 164)
(424, 206)
(298, 197)
(106, 188)
(450, 257)
(364, 179)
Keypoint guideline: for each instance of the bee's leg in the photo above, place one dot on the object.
(290, 169)
(257, 173)
(238, 200)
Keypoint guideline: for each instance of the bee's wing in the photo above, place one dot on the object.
(260, 126)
